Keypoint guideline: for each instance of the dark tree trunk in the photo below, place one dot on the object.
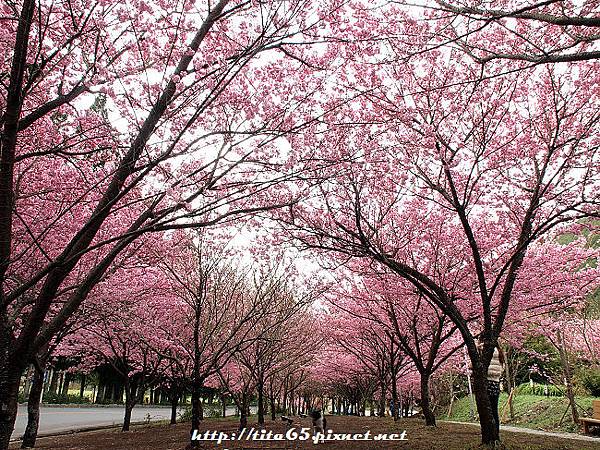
(425, 400)
(292, 404)
(33, 409)
(224, 405)
(118, 393)
(11, 367)
(489, 430)
(53, 382)
(10, 377)
(82, 386)
(396, 412)
(261, 403)
(244, 412)
(381, 406)
(100, 394)
(197, 382)
(174, 405)
(197, 412)
(127, 419)
(284, 405)
(273, 410)
(66, 382)
(134, 393)
(28, 380)
(107, 393)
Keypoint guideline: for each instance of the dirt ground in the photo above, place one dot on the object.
(418, 437)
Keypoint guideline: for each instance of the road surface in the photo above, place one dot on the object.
(55, 419)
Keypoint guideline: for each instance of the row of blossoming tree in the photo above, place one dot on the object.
(437, 160)
(188, 316)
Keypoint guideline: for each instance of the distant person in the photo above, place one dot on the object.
(319, 422)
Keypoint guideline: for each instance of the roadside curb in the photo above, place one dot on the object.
(87, 429)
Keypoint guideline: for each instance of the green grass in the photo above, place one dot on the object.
(531, 411)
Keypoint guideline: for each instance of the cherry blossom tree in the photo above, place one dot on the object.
(422, 332)
(229, 311)
(217, 316)
(556, 309)
(286, 337)
(40, 364)
(80, 321)
(129, 121)
(365, 347)
(121, 119)
(125, 332)
(293, 380)
(292, 372)
(474, 172)
(532, 33)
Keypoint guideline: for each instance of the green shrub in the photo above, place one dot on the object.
(185, 415)
(50, 397)
(591, 381)
(213, 411)
(538, 389)
(210, 411)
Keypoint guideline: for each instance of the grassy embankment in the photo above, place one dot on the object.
(531, 411)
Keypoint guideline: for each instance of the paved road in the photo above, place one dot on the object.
(54, 419)
(57, 418)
